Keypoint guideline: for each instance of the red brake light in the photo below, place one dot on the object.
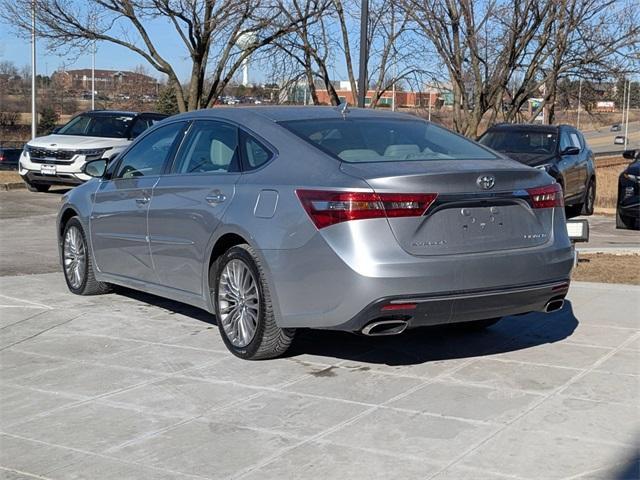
(548, 196)
(327, 208)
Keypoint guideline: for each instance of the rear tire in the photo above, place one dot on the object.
(243, 306)
(77, 264)
(477, 325)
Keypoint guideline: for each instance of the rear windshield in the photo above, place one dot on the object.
(357, 140)
(521, 141)
(111, 126)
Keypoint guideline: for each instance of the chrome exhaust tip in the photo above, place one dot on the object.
(554, 305)
(385, 327)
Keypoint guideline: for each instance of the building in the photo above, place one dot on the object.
(107, 81)
(404, 99)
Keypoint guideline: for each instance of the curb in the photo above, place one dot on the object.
(609, 250)
(4, 187)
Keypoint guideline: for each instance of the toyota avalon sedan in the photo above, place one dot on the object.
(280, 218)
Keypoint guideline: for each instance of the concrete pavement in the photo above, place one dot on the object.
(131, 386)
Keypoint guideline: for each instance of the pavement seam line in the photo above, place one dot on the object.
(105, 457)
(337, 427)
(557, 390)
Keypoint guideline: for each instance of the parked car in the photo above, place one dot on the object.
(9, 158)
(560, 150)
(58, 159)
(278, 218)
(619, 140)
(628, 206)
(616, 127)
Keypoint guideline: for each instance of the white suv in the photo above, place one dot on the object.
(58, 159)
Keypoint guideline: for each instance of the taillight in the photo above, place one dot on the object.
(548, 196)
(327, 208)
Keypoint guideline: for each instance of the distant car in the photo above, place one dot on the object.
(619, 140)
(616, 127)
(58, 159)
(9, 158)
(560, 150)
(628, 206)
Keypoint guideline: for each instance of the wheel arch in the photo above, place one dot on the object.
(220, 243)
(67, 214)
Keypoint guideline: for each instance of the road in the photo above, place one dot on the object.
(27, 223)
(602, 140)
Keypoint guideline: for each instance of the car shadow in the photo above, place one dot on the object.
(170, 305)
(429, 344)
(414, 346)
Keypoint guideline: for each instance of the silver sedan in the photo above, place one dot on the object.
(279, 218)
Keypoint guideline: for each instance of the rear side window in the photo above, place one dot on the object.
(209, 148)
(255, 153)
(147, 157)
(520, 141)
(358, 140)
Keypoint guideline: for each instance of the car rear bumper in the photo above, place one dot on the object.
(457, 307)
(322, 286)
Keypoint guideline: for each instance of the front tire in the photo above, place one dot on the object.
(244, 311)
(77, 265)
(589, 199)
(37, 187)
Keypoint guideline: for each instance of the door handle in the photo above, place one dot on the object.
(215, 198)
(141, 202)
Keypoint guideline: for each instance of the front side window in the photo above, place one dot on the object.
(147, 157)
(108, 126)
(520, 141)
(565, 141)
(210, 147)
(358, 140)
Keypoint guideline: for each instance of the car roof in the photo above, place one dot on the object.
(99, 113)
(289, 113)
(527, 126)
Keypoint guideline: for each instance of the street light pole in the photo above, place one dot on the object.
(93, 76)
(34, 114)
(626, 124)
(362, 80)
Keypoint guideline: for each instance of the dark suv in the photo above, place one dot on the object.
(561, 150)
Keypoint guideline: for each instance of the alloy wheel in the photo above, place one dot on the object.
(238, 303)
(75, 257)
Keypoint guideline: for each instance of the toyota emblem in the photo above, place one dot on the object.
(486, 182)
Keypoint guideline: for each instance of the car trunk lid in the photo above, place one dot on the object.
(482, 206)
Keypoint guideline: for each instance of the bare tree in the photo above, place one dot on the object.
(479, 47)
(209, 31)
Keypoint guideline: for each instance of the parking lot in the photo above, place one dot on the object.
(128, 385)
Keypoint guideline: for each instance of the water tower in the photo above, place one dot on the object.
(244, 42)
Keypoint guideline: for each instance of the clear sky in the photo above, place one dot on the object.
(18, 50)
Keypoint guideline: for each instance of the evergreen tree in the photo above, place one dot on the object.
(167, 101)
(48, 119)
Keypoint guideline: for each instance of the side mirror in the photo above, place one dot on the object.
(95, 168)
(630, 154)
(56, 130)
(571, 151)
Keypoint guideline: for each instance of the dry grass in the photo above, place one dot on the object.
(608, 170)
(607, 268)
(9, 177)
